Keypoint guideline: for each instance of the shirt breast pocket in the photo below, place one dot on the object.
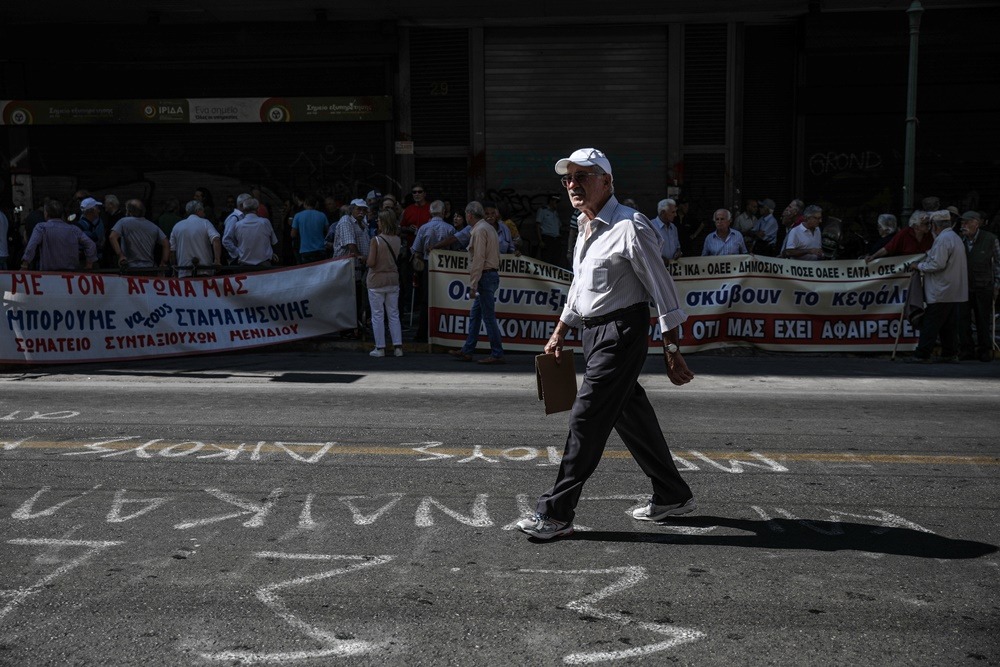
(600, 278)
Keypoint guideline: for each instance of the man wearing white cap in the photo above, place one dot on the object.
(350, 237)
(617, 271)
(91, 223)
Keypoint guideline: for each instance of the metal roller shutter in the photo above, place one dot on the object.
(768, 114)
(547, 95)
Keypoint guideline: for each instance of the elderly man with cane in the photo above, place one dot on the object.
(617, 272)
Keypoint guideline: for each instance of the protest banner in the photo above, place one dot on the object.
(734, 300)
(51, 317)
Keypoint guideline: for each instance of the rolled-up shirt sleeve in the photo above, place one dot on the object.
(644, 254)
(569, 314)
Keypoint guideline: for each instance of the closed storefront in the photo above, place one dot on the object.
(311, 74)
(548, 92)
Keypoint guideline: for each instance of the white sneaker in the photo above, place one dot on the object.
(543, 527)
(398, 352)
(653, 512)
(377, 352)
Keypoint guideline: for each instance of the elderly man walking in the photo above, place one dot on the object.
(946, 285)
(484, 280)
(617, 271)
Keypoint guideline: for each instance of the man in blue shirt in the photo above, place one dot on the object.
(61, 243)
(723, 241)
(429, 236)
(309, 228)
(670, 244)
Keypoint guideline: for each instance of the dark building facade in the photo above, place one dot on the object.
(715, 102)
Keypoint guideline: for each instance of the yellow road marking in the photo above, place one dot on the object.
(376, 450)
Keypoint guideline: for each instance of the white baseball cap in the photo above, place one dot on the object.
(585, 157)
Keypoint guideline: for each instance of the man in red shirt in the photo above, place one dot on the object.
(416, 213)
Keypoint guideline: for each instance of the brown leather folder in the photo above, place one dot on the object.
(556, 382)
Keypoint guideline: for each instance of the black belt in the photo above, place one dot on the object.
(489, 270)
(589, 322)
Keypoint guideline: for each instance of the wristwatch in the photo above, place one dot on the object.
(671, 348)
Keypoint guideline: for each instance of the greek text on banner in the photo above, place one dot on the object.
(76, 317)
(737, 300)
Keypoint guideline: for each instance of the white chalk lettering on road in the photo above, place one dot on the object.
(426, 511)
(25, 511)
(19, 595)
(478, 519)
(258, 510)
(270, 597)
(362, 519)
(631, 575)
(24, 416)
(120, 501)
(430, 451)
(436, 452)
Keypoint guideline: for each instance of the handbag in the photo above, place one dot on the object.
(383, 279)
(418, 263)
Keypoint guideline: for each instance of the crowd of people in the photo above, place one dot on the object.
(194, 238)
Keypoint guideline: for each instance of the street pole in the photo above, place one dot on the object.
(914, 13)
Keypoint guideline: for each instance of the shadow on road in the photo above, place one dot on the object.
(801, 535)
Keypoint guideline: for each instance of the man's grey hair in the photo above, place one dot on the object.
(242, 198)
(249, 205)
(475, 209)
(194, 207)
(111, 198)
(797, 203)
(729, 216)
(437, 208)
(665, 204)
(812, 209)
(919, 217)
(887, 221)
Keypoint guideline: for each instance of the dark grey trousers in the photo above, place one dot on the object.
(610, 397)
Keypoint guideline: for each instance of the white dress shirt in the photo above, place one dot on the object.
(618, 266)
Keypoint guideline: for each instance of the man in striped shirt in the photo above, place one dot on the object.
(723, 241)
(617, 270)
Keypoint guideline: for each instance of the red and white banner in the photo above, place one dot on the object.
(735, 300)
(77, 317)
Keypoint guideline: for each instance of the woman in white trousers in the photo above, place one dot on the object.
(383, 284)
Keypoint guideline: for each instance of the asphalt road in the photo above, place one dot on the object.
(326, 508)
